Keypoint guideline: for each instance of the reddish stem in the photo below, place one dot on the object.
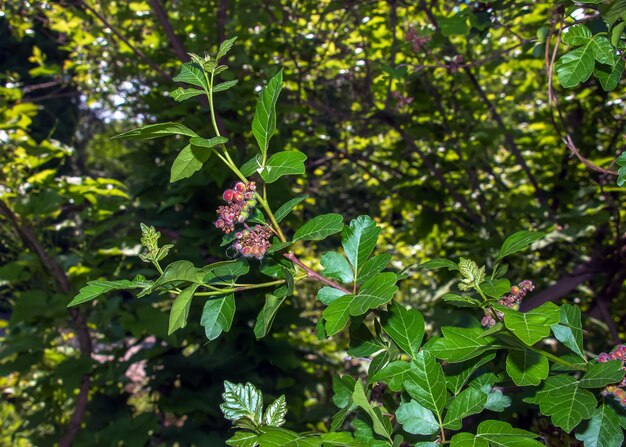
(312, 274)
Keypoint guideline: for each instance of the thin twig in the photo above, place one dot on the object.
(313, 274)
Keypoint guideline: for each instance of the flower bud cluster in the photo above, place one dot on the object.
(510, 300)
(253, 242)
(617, 391)
(240, 201)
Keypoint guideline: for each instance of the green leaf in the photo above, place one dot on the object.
(359, 398)
(189, 161)
(576, 66)
(275, 413)
(610, 76)
(329, 294)
(343, 386)
(569, 329)
(155, 131)
(243, 439)
(266, 316)
(502, 434)
(178, 271)
(416, 419)
(180, 309)
(279, 437)
(470, 401)
(207, 142)
(242, 401)
(336, 267)
(225, 47)
(599, 375)
(287, 207)
(472, 275)
(376, 291)
(532, 326)
(518, 241)
(455, 25)
(458, 374)
(224, 85)
(251, 166)
(192, 73)
(565, 401)
(461, 344)
(439, 263)
(181, 94)
(320, 227)
(94, 289)
(217, 316)
(362, 342)
(372, 266)
(339, 439)
(577, 35)
(394, 374)
(405, 327)
(225, 272)
(426, 383)
(527, 367)
(496, 401)
(279, 246)
(495, 288)
(460, 300)
(467, 440)
(337, 314)
(603, 51)
(264, 122)
(359, 240)
(603, 430)
(283, 163)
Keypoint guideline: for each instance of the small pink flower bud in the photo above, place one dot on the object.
(239, 187)
(228, 195)
(237, 197)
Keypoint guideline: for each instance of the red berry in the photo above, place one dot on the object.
(239, 187)
(228, 195)
(237, 197)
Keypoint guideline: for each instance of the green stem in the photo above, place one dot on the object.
(228, 161)
(236, 289)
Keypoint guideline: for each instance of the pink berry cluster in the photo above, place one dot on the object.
(617, 391)
(253, 242)
(240, 201)
(511, 300)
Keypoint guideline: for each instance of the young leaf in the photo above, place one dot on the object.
(180, 309)
(217, 316)
(155, 131)
(470, 401)
(320, 227)
(94, 289)
(242, 401)
(283, 163)
(405, 327)
(336, 267)
(225, 47)
(287, 207)
(527, 367)
(266, 316)
(569, 330)
(603, 430)
(264, 122)
(599, 375)
(192, 73)
(518, 241)
(416, 419)
(426, 382)
(359, 240)
(275, 413)
(181, 94)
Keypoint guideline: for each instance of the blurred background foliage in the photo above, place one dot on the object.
(433, 117)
